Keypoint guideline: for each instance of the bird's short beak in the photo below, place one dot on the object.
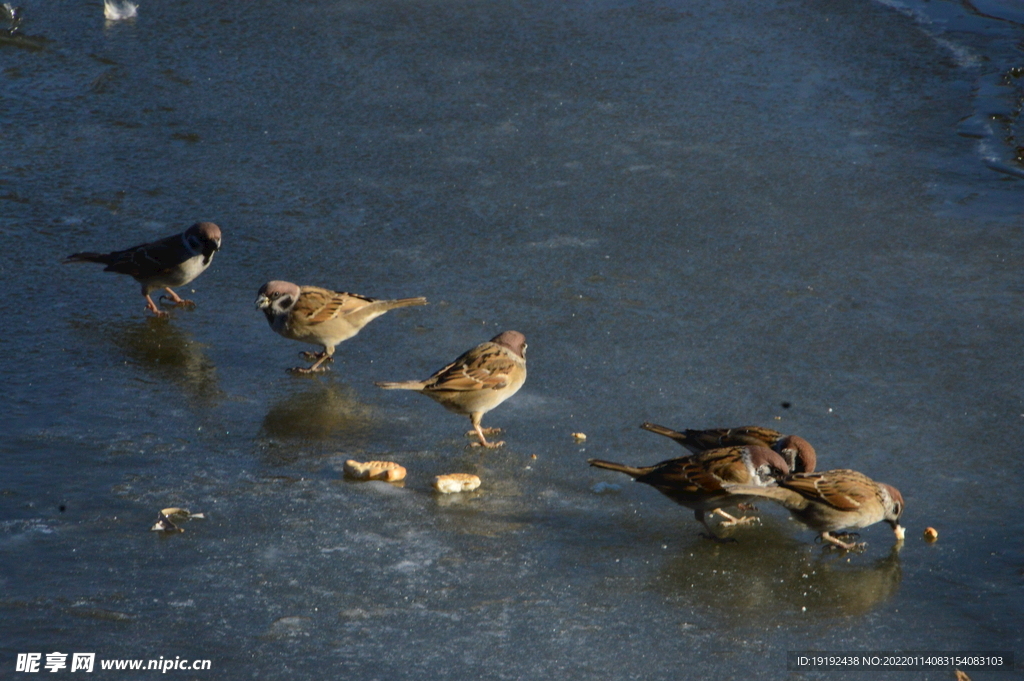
(262, 302)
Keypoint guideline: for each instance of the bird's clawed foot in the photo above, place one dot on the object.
(315, 369)
(488, 445)
(151, 306)
(482, 432)
(311, 356)
(176, 300)
(837, 541)
(733, 521)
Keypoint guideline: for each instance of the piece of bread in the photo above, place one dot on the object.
(388, 471)
(456, 482)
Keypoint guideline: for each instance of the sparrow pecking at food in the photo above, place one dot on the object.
(320, 316)
(477, 382)
(797, 452)
(699, 481)
(835, 500)
(173, 261)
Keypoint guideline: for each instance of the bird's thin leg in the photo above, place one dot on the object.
(325, 358)
(316, 368)
(177, 300)
(475, 419)
(699, 515)
(485, 431)
(846, 546)
(151, 306)
(732, 521)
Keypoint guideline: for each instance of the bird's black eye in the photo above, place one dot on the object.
(897, 508)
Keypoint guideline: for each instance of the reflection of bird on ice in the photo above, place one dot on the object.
(13, 15)
(115, 11)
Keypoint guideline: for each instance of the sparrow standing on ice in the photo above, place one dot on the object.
(320, 316)
(477, 382)
(174, 261)
(835, 500)
(699, 481)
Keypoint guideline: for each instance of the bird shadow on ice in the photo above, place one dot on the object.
(326, 411)
(771, 576)
(163, 351)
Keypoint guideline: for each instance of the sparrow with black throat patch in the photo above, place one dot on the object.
(170, 262)
(477, 381)
(835, 500)
(699, 481)
(320, 316)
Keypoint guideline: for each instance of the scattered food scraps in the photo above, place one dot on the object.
(456, 482)
(388, 471)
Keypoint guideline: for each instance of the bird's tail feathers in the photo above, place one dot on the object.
(102, 258)
(400, 385)
(786, 497)
(662, 430)
(406, 302)
(618, 467)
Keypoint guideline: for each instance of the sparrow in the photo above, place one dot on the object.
(797, 452)
(699, 481)
(834, 500)
(320, 316)
(174, 261)
(477, 382)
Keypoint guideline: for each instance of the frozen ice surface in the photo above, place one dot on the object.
(800, 214)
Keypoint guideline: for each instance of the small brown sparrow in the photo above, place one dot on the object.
(834, 500)
(174, 261)
(699, 481)
(477, 382)
(320, 316)
(797, 452)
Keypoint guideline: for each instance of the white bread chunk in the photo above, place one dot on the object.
(456, 482)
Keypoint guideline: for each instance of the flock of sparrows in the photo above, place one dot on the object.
(476, 382)
(727, 467)
(733, 466)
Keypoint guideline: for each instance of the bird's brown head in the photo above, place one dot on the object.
(277, 297)
(204, 237)
(768, 463)
(799, 454)
(893, 508)
(513, 340)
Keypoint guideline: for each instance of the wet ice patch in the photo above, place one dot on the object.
(564, 242)
(289, 627)
(964, 56)
(408, 566)
(19, 531)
